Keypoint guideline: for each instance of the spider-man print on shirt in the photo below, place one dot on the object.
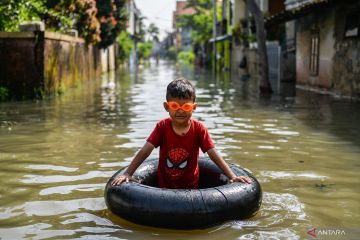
(173, 171)
(176, 162)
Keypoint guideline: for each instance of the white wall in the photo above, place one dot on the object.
(238, 11)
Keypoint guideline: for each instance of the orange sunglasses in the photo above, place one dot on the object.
(185, 107)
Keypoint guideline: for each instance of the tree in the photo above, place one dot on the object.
(153, 31)
(125, 44)
(98, 22)
(86, 22)
(13, 12)
(265, 87)
(200, 24)
(113, 17)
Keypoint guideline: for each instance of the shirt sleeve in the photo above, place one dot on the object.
(155, 136)
(205, 141)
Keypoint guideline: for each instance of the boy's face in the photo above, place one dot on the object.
(184, 106)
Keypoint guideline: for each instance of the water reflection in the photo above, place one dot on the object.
(56, 156)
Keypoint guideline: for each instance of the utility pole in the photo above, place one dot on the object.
(265, 86)
(214, 36)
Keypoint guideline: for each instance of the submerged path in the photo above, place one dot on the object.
(56, 156)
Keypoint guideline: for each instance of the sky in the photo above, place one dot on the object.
(158, 12)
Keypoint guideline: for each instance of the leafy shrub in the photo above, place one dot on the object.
(186, 56)
(4, 93)
(125, 46)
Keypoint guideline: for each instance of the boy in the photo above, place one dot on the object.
(179, 138)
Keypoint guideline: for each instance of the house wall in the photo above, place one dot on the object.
(238, 11)
(237, 52)
(323, 23)
(346, 60)
(179, 11)
(339, 60)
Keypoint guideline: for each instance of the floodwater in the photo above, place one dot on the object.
(56, 156)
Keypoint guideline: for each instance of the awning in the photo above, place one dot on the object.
(221, 38)
(290, 14)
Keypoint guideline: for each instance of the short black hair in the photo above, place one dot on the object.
(180, 88)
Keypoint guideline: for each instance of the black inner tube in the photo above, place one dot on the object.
(215, 200)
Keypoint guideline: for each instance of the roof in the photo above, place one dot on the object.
(296, 12)
(181, 9)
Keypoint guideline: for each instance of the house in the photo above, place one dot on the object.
(182, 35)
(223, 38)
(133, 28)
(327, 44)
(244, 44)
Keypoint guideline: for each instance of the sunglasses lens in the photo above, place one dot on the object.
(174, 106)
(187, 107)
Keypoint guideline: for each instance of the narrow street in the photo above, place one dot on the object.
(57, 155)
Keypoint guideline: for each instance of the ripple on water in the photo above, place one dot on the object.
(46, 231)
(86, 217)
(281, 209)
(68, 189)
(293, 175)
(278, 215)
(51, 167)
(41, 230)
(31, 178)
(53, 208)
(273, 234)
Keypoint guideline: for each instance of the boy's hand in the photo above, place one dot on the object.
(243, 179)
(123, 178)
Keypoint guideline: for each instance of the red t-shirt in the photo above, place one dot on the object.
(179, 155)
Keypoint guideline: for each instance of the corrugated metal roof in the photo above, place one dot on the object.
(291, 4)
(296, 12)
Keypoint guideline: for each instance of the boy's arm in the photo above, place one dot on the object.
(216, 158)
(135, 163)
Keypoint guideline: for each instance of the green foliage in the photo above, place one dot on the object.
(57, 15)
(86, 22)
(144, 49)
(63, 15)
(200, 23)
(251, 38)
(125, 46)
(96, 21)
(240, 36)
(13, 12)
(153, 31)
(39, 93)
(4, 93)
(112, 15)
(172, 53)
(200, 5)
(186, 57)
(140, 34)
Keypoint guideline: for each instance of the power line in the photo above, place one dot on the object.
(166, 6)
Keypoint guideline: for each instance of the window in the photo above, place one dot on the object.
(352, 25)
(314, 54)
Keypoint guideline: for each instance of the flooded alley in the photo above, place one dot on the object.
(57, 154)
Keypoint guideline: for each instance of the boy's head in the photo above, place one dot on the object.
(180, 100)
(180, 88)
